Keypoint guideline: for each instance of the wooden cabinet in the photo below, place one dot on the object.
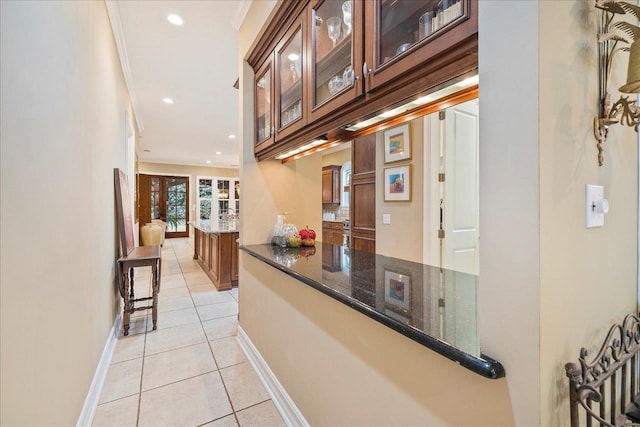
(333, 62)
(404, 35)
(235, 257)
(331, 185)
(335, 67)
(263, 110)
(290, 81)
(363, 193)
(217, 254)
(332, 232)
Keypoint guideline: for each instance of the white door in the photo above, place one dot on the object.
(460, 192)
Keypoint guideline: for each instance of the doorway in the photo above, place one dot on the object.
(451, 238)
(165, 198)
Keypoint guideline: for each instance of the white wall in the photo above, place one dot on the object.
(63, 104)
(509, 294)
(587, 276)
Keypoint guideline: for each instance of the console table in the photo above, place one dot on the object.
(142, 256)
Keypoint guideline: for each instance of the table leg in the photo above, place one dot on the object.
(156, 286)
(131, 279)
(125, 311)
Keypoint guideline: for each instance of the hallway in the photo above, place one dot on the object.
(190, 371)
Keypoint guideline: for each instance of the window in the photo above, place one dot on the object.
(345, 184)
(216, 196)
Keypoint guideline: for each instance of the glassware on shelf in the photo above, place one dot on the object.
(336, 84)
(346, 16)
(348, 76)
(427, 24)
(334, 25)
(448, 10)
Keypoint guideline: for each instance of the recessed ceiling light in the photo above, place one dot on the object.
(232, 136)
(208, 161)
(167, 100)
(175, 19)
(218, 152)
(293, 57)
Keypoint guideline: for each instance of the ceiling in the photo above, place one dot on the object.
(195, 65)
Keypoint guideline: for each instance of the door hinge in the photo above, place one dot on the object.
(440, 234)
(442, 114)
(441, 177)
(440, 302)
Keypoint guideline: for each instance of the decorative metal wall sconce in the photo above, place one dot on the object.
(624, 110)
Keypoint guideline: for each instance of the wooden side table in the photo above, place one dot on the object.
(142, 256)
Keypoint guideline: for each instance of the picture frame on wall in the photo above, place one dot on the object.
(397, 291)
(397, 184)
(397, 144)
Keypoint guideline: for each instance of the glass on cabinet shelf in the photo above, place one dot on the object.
(405, 23)
(263, 106)
(332, 49)
(290, 80)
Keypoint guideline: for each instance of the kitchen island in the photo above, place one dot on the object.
(216, 250)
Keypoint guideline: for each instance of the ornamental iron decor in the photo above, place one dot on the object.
(624, 111)
(615, 371)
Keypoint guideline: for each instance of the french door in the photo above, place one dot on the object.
(165, 198)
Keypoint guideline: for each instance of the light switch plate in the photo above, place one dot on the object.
(593, 193)
(386, 218)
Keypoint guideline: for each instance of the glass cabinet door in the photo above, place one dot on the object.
(336, 57)
(404, 23)
(409, 33)
(290, 81)
(263, 109)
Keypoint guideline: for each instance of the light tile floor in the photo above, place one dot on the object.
(191, 370)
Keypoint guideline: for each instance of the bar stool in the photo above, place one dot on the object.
(142, 256)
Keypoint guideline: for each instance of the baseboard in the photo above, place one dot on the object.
(285, 405)
(93, 396)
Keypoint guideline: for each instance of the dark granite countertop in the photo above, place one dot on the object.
(216, 226)
(433, 306)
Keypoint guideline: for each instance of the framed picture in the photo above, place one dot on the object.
(397, 144)
(397, 290)
(397, 184)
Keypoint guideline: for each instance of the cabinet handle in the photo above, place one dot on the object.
(365, 70)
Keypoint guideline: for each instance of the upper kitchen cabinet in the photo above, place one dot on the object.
(264, 127)
(335, 35)
(290, 81)
(406, 34)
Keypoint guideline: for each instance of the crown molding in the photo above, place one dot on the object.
(241, 13)
(118, 35)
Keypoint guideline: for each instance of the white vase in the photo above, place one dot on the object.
(151, 234)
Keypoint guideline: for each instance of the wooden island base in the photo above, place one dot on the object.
(217, 254)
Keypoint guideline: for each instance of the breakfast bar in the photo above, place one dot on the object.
(216, 250)
(429, 305)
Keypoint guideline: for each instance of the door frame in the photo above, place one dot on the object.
(189, 198)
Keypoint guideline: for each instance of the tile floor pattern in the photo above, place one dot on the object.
(191, 370)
